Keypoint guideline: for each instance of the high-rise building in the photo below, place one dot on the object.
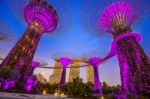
(74, 72)
(41, 78)
(56, 75)
(89, 74)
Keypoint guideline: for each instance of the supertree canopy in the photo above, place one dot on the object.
(94, 61)
(101, 16)
(41, 14)
(41, 17)
(60, 6)
(117, 17)
(64, 62)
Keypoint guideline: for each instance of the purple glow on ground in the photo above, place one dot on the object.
(6, 84)
(28, 87)
(30, 82)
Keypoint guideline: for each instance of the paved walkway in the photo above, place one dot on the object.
(4, 95)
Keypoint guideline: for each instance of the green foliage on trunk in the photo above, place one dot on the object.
(5, 71)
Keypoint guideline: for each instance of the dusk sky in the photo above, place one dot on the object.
(76, 41)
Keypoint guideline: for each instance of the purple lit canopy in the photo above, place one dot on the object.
(39, 12)
(65, 61)
(104, 15)
(42, 13)
(94, 61)
(117, 14)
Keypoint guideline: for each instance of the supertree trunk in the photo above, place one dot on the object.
(22, 53)
(63, 77)
(29, 71)
(97, 83)
(134, 67)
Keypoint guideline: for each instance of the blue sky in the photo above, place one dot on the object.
(76, 41)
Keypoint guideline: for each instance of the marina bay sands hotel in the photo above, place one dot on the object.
(74, 71)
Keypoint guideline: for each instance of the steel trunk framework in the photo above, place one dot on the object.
(41, 17)
(134, 63)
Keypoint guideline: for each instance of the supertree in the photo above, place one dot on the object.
(117, 17)
(41, 17)
(65, 63)
(94, 61)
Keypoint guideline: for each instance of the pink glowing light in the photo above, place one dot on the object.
(5, 85)
(8, 83)
(117, 14)
(136, 35)
(28, 87)
(35, 64)
(42, 14)
(94, 61)
(65, 61)
(29, 83)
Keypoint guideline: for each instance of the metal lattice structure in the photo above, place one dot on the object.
(41, 17)
(117, 18)
(60, 6)
(94, 61)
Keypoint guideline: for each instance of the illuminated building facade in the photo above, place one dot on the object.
(55, 77)
(89, 74)
(41, 78)
(41, 17)
(74, 72)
